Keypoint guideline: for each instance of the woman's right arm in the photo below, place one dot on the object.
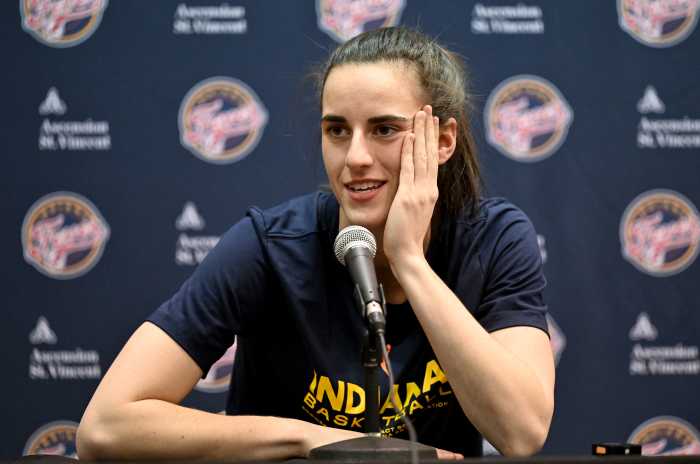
(134, 413)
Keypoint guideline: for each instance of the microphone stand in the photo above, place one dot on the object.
(372, 446)
(371, 362)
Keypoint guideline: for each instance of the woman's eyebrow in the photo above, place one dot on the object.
(387, 118)
(333, 118)
(372, 120)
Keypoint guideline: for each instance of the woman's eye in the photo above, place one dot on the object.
(384, 131)
(336, 131)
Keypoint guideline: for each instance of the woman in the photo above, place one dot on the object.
(462, 276)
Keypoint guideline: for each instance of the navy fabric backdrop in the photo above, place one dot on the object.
(135, 133)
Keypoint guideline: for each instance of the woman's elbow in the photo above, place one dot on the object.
(93, 441)
(529, 441)
(525, 445)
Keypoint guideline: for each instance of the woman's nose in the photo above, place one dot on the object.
(358, 154)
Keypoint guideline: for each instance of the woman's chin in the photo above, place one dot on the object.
(374, 222)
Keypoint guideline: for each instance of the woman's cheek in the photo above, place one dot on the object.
(397, 148)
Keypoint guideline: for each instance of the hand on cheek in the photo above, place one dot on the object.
(408, 222)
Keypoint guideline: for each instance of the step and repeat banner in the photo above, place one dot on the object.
(135, 133)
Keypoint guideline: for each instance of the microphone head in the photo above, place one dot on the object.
(351, 237)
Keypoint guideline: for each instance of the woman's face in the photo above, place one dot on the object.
(367, 109)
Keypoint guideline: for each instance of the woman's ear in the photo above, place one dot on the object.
(447, 142)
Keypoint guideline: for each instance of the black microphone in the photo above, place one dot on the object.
(355, 248)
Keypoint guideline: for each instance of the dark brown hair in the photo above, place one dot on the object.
(442, 76)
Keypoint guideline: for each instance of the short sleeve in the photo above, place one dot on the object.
(222, 298)
(514, 281)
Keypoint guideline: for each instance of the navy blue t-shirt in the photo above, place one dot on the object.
(274, 283)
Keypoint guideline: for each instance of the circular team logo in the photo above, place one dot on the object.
(344, 19)
(658, 23)
(55, 438)
(221, 120)
(660, 232)
(666, 436)
(527, 118)
(218, 378)
(63, 235)
(61, 24)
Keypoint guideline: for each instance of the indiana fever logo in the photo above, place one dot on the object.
(55, 438)
(666, 436)
(221, 120)
(344, 19)
(658, 23)
(660, 231)
(218, 378)
(527, 118)
(342, 404)
(63, 235)
(61, 23)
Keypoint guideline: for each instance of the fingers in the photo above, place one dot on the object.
(420, 155)
(432, 134)
(425, 152)
(433, 145)
(407, 170)
(443, 454)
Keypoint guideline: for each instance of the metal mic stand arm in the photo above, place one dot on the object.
(371, 360)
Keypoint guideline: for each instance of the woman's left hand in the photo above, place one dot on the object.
(407, 228)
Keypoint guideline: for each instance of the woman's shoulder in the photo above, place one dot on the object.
(492, 213)
(297, 217)
(495, 226)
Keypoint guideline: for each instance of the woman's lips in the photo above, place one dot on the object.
(365, 194)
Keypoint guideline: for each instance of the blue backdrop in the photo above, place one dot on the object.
(135, 133)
